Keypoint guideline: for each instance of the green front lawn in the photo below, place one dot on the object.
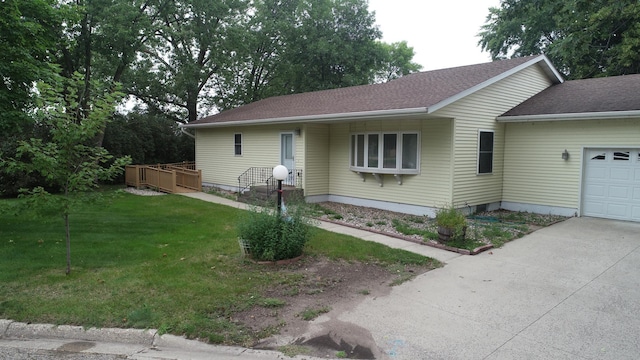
(165, 262)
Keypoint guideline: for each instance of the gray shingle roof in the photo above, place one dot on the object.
(608, 94)
(419, 90)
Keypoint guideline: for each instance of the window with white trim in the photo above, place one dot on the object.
(385, 152)
(237, 144)
(485, 152)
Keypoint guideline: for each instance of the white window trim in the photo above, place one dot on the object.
(241, 144)
(493, 151)
(380, 169)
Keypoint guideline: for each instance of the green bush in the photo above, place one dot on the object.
(272, 237)
(452, 219)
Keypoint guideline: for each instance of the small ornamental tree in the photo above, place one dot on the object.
(68, 158)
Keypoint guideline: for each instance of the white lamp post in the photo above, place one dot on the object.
(280, 173)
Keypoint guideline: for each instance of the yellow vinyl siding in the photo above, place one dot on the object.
(260, 148)
(429, 188)
(478, 112)
(534, 170)
(316, 164)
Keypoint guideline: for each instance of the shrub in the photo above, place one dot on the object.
(452, 219)
(273, 237)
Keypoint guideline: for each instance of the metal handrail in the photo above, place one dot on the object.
(264, 175)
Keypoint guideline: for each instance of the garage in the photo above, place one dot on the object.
(611, 184)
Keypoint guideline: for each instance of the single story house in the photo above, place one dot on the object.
(508, 134)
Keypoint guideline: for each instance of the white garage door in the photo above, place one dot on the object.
(612, 184)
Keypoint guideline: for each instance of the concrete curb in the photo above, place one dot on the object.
(146, 339)
(4, 325)
(19, 330)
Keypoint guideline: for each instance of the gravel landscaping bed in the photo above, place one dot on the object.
(143, 192)
(487, 228)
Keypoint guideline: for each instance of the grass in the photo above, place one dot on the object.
(166, 262)
(294, 350)
(312, 313)
(272, 303)
(408, 229)
(319, 210)
(401, 274)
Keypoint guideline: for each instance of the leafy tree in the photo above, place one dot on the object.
(101, 45)
(397, 61)
(293, 46)
(333, 46)
(27, 38)
(194, 41)
(258, 69)
(583, 38)
(149, 138)
(68, 159)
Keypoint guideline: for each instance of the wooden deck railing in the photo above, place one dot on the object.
(169, 178)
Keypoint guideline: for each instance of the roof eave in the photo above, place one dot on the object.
(545, 63)
(570, 116)
(353, 116)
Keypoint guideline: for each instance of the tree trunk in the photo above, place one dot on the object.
(192, 107)
(66, 225)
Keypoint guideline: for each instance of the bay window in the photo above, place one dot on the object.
(386, 152)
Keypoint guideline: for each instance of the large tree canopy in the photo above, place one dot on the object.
(583, 38)
(293, 46)
(27, 33)
(194, 41)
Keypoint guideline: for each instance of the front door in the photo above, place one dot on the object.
(287, 156)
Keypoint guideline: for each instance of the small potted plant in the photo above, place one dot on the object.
(452, 224)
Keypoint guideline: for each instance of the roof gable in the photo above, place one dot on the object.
(423, 92)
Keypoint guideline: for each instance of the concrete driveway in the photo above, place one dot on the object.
(568, 291)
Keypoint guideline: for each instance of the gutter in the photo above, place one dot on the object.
(604, 115)
(184, 131)
(368, 115)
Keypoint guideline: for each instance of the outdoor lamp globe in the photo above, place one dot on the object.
(280, 172)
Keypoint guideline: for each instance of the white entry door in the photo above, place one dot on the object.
(611, 184)
(287, 156)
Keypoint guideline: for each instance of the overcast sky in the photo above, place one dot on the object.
(443, 33)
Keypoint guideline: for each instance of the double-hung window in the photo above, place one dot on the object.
(385, 152)
(237, 144)
(485, 152)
